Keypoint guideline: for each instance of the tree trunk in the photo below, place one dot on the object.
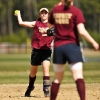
(32, 12)
(3, 27)
(29, 9)
(9, 15)
(77, 3)
(35, 9)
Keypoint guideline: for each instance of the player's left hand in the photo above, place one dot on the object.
(51, 31)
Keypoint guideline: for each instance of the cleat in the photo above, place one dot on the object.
(46, 92)
(46, 88)
(28, 92)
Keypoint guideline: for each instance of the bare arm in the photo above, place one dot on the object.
(84, 33)
(24, 23)
(50, 25)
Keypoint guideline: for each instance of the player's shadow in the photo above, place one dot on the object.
(33, 97)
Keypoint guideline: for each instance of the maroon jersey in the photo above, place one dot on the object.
(39, 41)
(65, 22)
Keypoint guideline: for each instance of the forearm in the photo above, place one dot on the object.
(19, 19)
(50, 25)
(84, 33)
(49, 32)
(24, 23)
(87, 37)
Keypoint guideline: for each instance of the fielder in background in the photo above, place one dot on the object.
(68, 21)
(41, 49)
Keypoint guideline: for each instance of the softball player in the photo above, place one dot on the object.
(68, 21)
(41, 50)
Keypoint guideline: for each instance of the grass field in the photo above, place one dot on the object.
(15, 69)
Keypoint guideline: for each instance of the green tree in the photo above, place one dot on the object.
(91, 11)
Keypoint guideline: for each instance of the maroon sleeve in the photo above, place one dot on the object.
(51, 18)
(79, 17)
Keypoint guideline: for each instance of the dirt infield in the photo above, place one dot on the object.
(67, 92)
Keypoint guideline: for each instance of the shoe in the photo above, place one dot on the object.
(28, 92)
(46, 92)
(46, 87)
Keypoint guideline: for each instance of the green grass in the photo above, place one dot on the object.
(15, 69)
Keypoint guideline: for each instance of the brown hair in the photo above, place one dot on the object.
(67, 3)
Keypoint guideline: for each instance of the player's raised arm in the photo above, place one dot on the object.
(23, 23)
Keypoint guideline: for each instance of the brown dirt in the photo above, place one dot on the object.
(66, 92)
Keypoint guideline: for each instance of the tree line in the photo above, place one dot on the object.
(29, 9)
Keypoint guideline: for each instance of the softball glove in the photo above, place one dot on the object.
(51, 32)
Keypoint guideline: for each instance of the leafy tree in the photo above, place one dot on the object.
(29, 10)
(91, 11)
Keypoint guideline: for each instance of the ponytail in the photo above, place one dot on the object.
(67, 3)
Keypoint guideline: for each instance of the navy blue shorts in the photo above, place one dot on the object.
(38, 56)
(70, 53)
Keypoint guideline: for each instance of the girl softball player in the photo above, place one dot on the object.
(41, 50)
(68, 21)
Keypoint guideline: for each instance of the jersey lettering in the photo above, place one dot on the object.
(62, 18)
